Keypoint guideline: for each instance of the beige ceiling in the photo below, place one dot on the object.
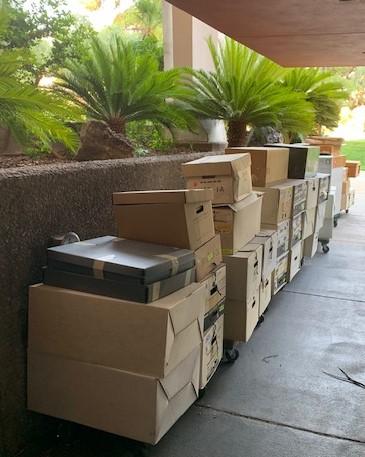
(291, 32)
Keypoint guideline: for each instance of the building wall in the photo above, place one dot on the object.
(36, 203)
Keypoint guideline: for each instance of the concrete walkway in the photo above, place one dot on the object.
(275, 401)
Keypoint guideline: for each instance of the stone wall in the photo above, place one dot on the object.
(36, 203)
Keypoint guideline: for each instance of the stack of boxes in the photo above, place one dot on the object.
(117, 338)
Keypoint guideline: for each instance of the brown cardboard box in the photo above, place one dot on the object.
(268, 165)
(269, 241)
(280, 274)
(238, 223)
(339, 161)
(345, 174)
(344, 201)
(212, 351)
(241, 317)
(300, 191)
(121, 402)
(150, 339)
(309, 221)
(208, 257)
(276, 203)
(320, 216)
(346, 187)
(244, 273)
(310, 245)
(215, 287)
(312, 193)
(228, 175)
(265, 294)
(180, 218)
(353, 167)
(295, 260)
(296, 229)
(283, 231)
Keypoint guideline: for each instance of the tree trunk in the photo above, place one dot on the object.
(237, 133)
(117, 124)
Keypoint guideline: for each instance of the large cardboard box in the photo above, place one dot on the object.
(238, 223)
(309, 222)
(268, 165)
(241, 318)
(181, 218)
(303, 160)
(320, 216)
(296, 229)
(325, 164)
(269, 241)
(265, 294)
(208, 257)
(212, 348)
(280, 274)
(300, 189)
(295, 260)
(312, 192)
(310, 245)
(324, 187)
(128, 404)
(150, 339)
(339, 161)
(215, 287)
(228, 175)
(353, 167)
(277, 203)
(283, 231)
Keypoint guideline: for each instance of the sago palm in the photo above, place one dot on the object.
(245, 91)
(323, 89)
(117, 85)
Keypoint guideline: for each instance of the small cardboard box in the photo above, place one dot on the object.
(244, 273)
(265, 294)
(280, 274)
(312, 193)
(238, 223)
(228, 175)
(283, 231)
(320, 216)
(325, 164)
(215, 287)
(277, 202)
(339, 161)
(309, 222)
(212, 348)
(296, 229)
(353, 167)
(150, 339)
(128, 404)
(295, 260)
(268, 165)
(241, 317)
(324, 187)
(208, 257)
(300, 190)
(311, 245)
(180, 218)
(269, 241)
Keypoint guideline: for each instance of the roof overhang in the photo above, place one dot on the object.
(294, 33)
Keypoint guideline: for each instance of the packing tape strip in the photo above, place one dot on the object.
(174, 262)
(98, 269)
(156, 290)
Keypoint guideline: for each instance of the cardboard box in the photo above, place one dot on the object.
(180, 218)
(150, 339)
(128, 404)
(310, 245)
(353, 167)
(215, 287)
(344, 201)
(324, 187)
(295, 260)
(303, 160)
(241, 318)
(296, 229)
(346, 186)
(208, 257)
(337, 182)
(312, 192)
(300, 190)
(244, 273)
(268, 165)
(265, 294)
(309, 222)
(283, 231)
(339, 161)
(277, 202)
(280, 274)
(328, 145)
(228, 175)
(238, 223)
(269, 241)
(320, 216)
(212, 348)
(325, 164)
(346, 174)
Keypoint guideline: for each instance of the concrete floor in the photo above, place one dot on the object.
(275, 400)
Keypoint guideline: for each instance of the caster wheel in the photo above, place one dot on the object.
(202, 393)
(231, 355)
(325, 249)
(261, 319)
(335, 223)
(347, 211)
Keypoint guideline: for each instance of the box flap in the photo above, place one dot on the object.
(250, 247)
(162, 196)
(243, 203)
(219, 165)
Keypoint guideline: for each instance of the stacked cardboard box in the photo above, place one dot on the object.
(237, 214)
(353, 167)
